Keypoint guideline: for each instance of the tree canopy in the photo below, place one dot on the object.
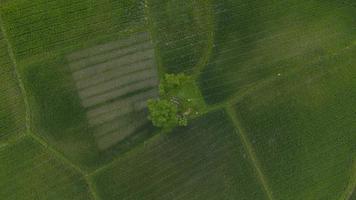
(175, 104)
(162, 113)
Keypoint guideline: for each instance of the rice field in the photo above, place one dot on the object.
(275, 82)
(29, 171)
(251, 49)
(42, 26)
(203, 161)
(303, 125)
(12, 110)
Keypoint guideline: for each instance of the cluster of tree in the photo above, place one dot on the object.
(174, 107)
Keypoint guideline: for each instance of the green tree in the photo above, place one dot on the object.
(162, 113)
(177, 103)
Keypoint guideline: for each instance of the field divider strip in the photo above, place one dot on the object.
(17, 75)
(65, 161)
(56, 153)
(112, 163)
(153, 37)
(258, 86)
(272, 79)
(92, 188)
(156, 135)
(210, 42)
(250, 151)
(351, 188)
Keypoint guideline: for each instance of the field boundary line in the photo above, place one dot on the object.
(156, 136)
(199, 67)
(153, 36)
(250, 151)
(257, 86)
(65, 161)
(351, 188)
(17, 74)
(13, 141)
(270, 80)
(56, 153)
(92, 189)
(39, 140)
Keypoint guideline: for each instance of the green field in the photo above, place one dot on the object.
(29, 171)
(303, 124)
(203, 161)
(275, 82)
(12, 110)
(250, 49)
(183, 31)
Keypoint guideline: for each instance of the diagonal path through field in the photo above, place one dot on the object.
(351, 189)
(17, 75)
(249, 149)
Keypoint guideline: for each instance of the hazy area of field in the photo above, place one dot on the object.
(277, 83)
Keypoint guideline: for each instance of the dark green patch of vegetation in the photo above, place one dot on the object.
(56, 112)
(58, 104)
(179, 101)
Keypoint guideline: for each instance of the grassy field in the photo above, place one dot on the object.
(255, 41)
(41, 26)
(203, 161)
(304, 125)
(12, 110)
(275, 81)
(28, 171)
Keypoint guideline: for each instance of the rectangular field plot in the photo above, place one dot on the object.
(203, 161)
(28, 172)
(12, 109)
(251, 49)
(303, 129)
(114, 81)
(42, 26)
